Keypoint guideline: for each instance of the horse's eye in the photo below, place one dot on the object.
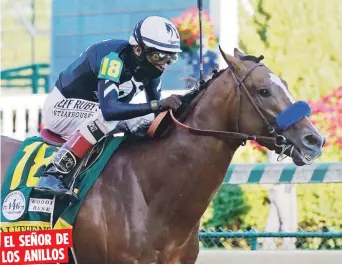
(264, 92)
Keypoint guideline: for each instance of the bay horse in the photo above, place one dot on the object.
(147, 203)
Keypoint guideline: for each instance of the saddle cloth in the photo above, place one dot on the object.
(23, 208)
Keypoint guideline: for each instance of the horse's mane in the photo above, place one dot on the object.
(194, 83)
(187, 99)
(195, 90)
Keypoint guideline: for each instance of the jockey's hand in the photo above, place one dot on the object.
(172, 102)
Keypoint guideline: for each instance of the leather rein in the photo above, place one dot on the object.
(276, 139)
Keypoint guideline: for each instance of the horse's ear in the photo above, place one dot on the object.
(238, 53)
(232, 61)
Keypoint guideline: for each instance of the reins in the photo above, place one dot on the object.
(277, 139)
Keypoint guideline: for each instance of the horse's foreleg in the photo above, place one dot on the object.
(190, 252)
(186, 254)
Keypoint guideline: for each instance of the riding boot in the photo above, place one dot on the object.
(63, 162)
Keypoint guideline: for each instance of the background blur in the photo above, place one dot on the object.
(301, 41)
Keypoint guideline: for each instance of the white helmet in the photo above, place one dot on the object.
(156, 32)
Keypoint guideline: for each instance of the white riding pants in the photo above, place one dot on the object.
(65, 116)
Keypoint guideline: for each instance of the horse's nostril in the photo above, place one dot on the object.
(312, 140)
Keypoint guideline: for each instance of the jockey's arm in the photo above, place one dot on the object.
(153, 90)
(112, 109)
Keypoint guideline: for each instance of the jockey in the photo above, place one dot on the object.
(91, 98)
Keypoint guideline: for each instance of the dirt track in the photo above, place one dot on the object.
(268, 257)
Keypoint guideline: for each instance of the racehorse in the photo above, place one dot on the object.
(147, 203)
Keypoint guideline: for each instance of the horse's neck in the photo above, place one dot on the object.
(206, 158)
(214, 110)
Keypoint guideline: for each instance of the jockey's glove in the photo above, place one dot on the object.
(172, 102)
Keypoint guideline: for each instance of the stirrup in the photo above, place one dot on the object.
(57, 193)
(53, 185)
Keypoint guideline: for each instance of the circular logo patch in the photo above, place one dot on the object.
(14, 205)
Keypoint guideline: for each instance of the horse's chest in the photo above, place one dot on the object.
(156, 256)
(165, 253)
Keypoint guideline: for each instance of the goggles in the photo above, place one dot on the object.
(161, 58)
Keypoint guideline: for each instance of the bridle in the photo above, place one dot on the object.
(276, 139)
